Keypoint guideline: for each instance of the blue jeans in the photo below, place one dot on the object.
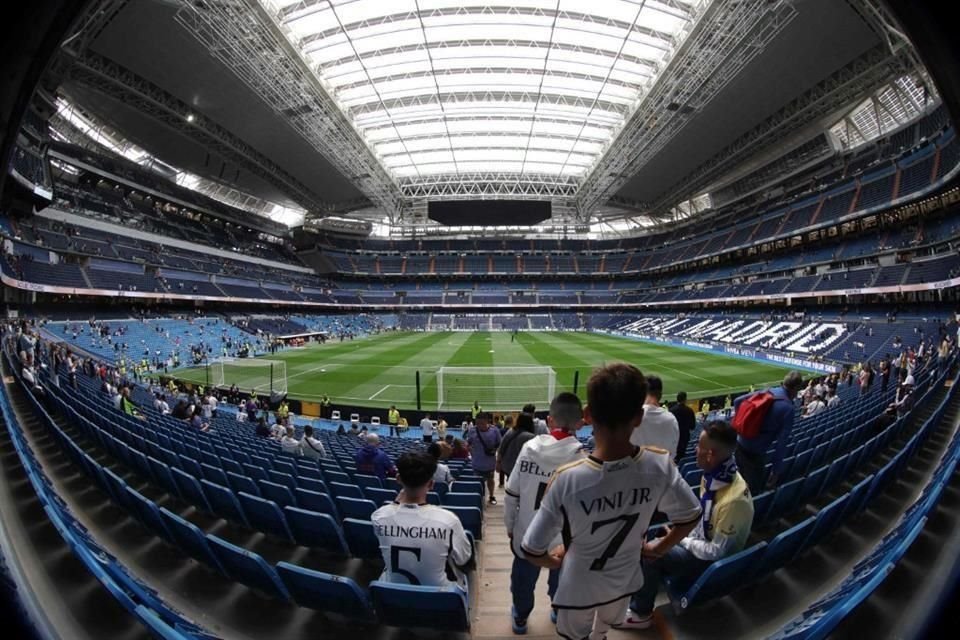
(681, 565)
(523, 580)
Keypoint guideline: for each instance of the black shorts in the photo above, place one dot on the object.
(486, 475)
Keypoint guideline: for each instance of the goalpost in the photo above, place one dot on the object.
(249, 374)
(499, 388)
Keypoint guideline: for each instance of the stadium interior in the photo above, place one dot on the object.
(346, 206)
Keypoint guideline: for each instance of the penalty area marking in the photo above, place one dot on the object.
(385, 387)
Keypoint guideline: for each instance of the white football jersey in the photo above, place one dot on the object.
(538, 459)
(417, 541)
(603, 510)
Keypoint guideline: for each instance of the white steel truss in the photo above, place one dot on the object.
(725, 40)
(493, 99)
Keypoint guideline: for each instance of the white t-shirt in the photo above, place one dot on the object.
(538, 459)
(417, 541)
(290, 445)
(426, 425)
(658, 428)
(442, 475)
(312, 448)
(603, 510)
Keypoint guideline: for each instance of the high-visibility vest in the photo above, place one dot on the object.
(393, 416)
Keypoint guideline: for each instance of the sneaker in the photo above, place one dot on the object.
(492, 500)
(634, 620)
(519, 624)
(553, 616)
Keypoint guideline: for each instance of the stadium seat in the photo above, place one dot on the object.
(826, 520)
(335, 415)
(248, 568)
(214, 474)
(240, 482)
(785, 547)
(407, 606)
(761, 506)
(284, 478)
(471, 518)
(149, 515)
(721, 578)
(461, 486)
(380, 496)
(785, 499)
(191, 490)
(326, 592)
(375, 420)
(345, 490)
(812, 485)
(313, 529)
(315, 501)
(224, 502)
(280, 494)
(189, 538)
(362, 541)
(456, 499)
(364, 481)
(354, 418)
(358, 509)
(264, 515)
(312, 484)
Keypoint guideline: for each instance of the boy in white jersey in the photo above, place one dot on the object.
(602, 504)
(537, 461)
(419, 541)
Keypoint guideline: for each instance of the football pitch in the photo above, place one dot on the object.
(380, 370)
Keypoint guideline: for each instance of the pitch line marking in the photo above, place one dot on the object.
(385, 387)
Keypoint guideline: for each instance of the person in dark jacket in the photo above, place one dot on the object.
(372, 460)
(519, 435)
(686, 420)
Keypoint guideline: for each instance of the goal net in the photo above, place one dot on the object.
(250, 374)
(495, 388)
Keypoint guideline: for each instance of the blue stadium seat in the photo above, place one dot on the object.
(314, 501)
(827, 520)
(161, 473)
(785, 547)
(785, 499)
(189, 538)
(406, 606)
(214, 474)
(761, 507)
(344, 490)
(456, 499)
(859, 495)
(149, 515)
(279, 493)
(722, 577)
(224, 502)
(356, 509)
(191, 467)
(254, 472)
(326, 592)
(379, 496)
(264, 515)
(471, 518)
(812, 485)
(835, 472)
(191, 490)
(312, 484)
(335, 476)
(312, 529)
(362, 541)
(248, 568)
(364, 481)
(240, 482)
(280, 477)
(461, 486)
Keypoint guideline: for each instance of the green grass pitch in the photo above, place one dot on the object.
(380, 370)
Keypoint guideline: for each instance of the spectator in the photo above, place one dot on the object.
(393, 419)
(289, 444)
(310, 447)
(442, 475)
(475, 410)
(341, 431)
(686, 423)
(262, 430)
(814, 407)
(519, 434)
(372, 460)
(540, 426)
(751, 453)
(595, 573)
(833, 400)
(277, 431)
(903, 400)
(354, 429)
(460, 450)
(196, 421)
(483, 441)
(426, 429)
(722, 529)
(441, 428)
(566, 416)
(419, 540)
(659, 427)
(537, 461)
